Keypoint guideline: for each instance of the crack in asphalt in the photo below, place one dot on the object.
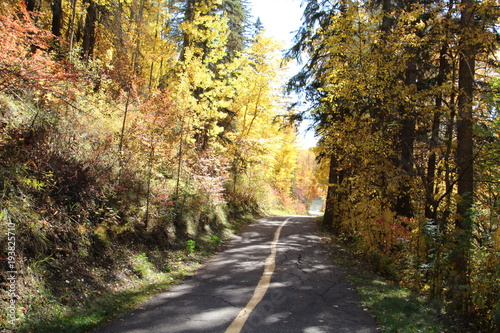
(222, 299)
(298, 264)
(286, 257)
(323, 294)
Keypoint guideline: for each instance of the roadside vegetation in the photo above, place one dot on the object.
(131, 278)
(395, 308)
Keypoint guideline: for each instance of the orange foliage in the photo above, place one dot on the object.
(24, 56)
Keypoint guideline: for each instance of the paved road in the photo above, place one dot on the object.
(269, 279)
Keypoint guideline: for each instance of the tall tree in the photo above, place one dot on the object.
(237, 14)
(311, 41)
(203, 61)
(57, 17)
(408, 123)
(89, 30)
(465, 155)
(465, 151)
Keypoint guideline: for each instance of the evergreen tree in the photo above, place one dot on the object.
(236, 12)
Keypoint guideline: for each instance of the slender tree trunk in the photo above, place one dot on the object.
(121, 154)
(331, 219)
(386, 20)
(407, 139)
(72, 27)
(448, 170)
(148, 189)
(180, 158)
(465, 122)
(137, 66)
(431, 202)
(57, 17)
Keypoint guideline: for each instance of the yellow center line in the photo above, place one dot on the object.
(261, 288)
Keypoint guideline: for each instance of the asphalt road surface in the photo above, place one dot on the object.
(275, 276)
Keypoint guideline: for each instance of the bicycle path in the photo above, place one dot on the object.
(275, 276)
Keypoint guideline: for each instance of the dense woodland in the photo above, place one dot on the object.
(404, 95)
(127, 125)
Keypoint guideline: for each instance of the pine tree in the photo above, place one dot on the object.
(236, 12)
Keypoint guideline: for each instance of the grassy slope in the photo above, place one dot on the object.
(83, 252)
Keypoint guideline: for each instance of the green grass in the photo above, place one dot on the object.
(395, 309)
(104, 306)
(93, 314)
(134, 277)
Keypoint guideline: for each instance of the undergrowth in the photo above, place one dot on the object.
(136, 278)
(396, 309)
(76, 294)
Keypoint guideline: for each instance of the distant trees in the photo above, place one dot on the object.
(398, 92)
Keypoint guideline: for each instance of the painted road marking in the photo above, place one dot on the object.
(261, 288)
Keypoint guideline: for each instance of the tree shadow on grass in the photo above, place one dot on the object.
(99, 309)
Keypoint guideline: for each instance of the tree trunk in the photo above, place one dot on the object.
(431, 202)
(386, 20)
(465, 122)
(57, 13)
(72, 26)
(464, 154)
(89, 30)
(188, 17)
(121, 155)
(331, 219)
(30, 5)
(407, 139)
